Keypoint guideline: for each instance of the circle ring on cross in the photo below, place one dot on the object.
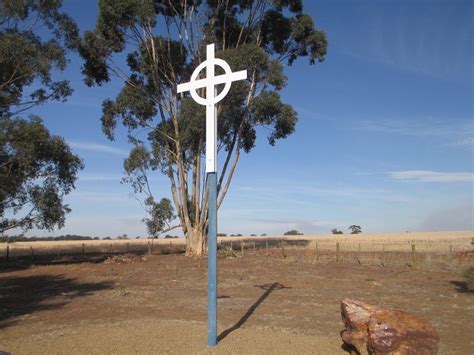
(214, 99)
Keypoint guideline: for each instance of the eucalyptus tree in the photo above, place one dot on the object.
(152, 46)
(355, 229)
(36, 168)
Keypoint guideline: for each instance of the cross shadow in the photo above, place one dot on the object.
(269, 288)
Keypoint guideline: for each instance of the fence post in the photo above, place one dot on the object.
(171, 246)
(149, 248)
(337, 252)
(451, 251)
(32, 253)
(83, 250)
(128, 248)
(57, 254)
(110, 250)
(231, 245)
(282, 243)
(254, 247)
(317, 251)
(413, 254)
(8, 253)
(242, 247)
(383, 254)
(266, 247)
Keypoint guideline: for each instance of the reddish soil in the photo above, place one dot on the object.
(267, 304)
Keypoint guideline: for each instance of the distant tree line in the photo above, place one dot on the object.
(22, 238)
(293, 232)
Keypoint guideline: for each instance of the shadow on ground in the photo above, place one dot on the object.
(461, 286)
(269, 288)
(21, 296)
(26, 262)
(23, 263)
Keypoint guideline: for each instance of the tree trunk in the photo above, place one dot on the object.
(195, 242)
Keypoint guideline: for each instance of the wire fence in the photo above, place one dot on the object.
(409, 252)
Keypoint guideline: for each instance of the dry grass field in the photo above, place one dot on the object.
(435, 242)
(280, 300)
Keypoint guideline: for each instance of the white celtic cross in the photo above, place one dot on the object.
(211, 99)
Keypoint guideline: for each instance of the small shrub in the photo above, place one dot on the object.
(226, 252)
(336, 231)
(469, 276)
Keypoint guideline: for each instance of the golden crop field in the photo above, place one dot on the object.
(436, 242)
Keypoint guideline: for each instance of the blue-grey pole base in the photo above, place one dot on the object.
(212, 261)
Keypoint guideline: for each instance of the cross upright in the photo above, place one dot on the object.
(212, 98)
(210, 83)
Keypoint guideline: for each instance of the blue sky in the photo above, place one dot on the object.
(385, 135)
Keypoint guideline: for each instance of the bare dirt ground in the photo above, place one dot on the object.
(267, 304)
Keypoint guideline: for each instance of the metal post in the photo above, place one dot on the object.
(212, 98)
(212, 261)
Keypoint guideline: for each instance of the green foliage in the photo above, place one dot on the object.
(36, 171)
(355, 229)
(163, 42)
(293, 232)
(26, 59)
(469, 277)
(161, 214)
(336, 231)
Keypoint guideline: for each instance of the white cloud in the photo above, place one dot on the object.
(432, 176)
(467, 141)
(100, 177)
(97, 148)
(98, 226)
(426, 127)
(314, 193)
(102, 197)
